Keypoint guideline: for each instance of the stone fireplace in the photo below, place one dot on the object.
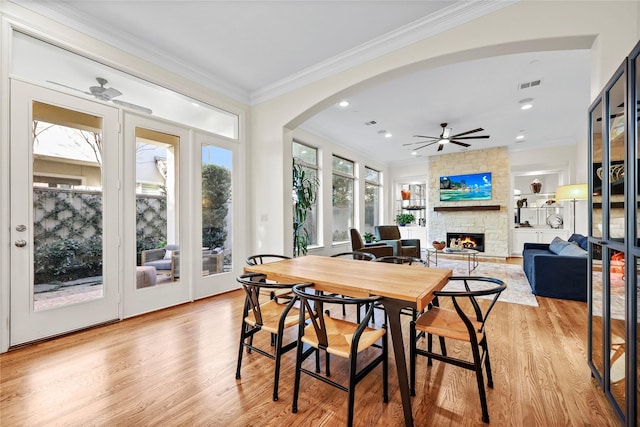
(491, 217)
(468, 240)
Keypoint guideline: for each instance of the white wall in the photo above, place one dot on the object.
(524, 26)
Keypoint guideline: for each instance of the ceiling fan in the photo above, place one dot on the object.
(106, 94)
(446, 137)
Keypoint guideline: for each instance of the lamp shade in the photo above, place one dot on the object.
(572, 192)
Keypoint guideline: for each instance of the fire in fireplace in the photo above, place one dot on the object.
(468, 240)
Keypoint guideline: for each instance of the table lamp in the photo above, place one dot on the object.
(573, 192)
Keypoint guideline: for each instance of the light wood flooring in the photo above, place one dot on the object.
(177, 367)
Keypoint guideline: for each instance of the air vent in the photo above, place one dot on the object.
(372, 122)
(532, 83)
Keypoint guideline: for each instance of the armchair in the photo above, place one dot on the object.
(161, 259)
(390, 235)
(377, 249)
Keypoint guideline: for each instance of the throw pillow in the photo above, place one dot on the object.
(557, 245)
(572, 249)
(167, 254)
(580, 240)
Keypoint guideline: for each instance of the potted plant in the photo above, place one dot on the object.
(404, 219)
(305, 191)
(368, 237)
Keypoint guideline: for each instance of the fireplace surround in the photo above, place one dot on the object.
(468, 240)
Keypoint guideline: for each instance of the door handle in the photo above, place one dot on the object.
(21, 243)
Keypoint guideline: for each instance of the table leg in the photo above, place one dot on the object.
(393, 308)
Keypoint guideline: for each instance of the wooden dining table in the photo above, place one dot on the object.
(399, 286)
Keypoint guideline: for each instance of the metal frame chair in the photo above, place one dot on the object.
(458, 325)
(337, 337)
(270, 316)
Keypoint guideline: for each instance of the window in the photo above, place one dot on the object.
(371, 199)
(308, 157)
(342, 198)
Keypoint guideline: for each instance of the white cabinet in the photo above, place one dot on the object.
(415, 233)
(521, 236)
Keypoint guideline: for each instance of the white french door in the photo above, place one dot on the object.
(157, 249)
(64, 213)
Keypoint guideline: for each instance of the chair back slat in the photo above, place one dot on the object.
(396, 259)
(480, 316)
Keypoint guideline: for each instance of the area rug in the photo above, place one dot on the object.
(518, 290)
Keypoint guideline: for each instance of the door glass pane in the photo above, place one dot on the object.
(597, 298)
(615, 115)
(216, 209)
(596, 169)
(617, 328)
(67, 206)
(637, 343)
(157, 239)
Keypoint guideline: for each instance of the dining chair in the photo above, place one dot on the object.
(266, 258)
(362, 256)
(270, 316)
(465, 322)
(337, 337)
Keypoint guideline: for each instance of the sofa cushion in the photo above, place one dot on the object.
(161, 264)
(572, 249)
(557, 245)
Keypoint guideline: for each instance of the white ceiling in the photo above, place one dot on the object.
(253, 50)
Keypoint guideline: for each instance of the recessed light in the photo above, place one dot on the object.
(521, 136)
(414, 153)
(344, 103)
(388, 135)
(526, 106)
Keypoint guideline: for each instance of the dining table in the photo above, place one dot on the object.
(400, 286)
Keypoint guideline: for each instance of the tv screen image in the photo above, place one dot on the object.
(475, 186)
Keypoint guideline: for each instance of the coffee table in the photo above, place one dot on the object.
(471, 254)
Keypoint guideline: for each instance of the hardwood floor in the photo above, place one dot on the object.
(177, 367)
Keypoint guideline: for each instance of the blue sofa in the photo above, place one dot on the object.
(553, 275)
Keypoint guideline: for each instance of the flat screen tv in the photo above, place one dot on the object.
(474, 186)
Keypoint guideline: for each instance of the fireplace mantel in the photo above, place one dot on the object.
(466, 208)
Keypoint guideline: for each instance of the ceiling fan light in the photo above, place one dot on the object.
(443, 141)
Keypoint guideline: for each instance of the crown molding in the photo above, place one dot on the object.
(450, 17)
(70, 17)
(445, 19)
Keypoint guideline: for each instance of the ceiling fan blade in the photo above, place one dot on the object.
(426, 145)
(474, 137)
(463, 144)
(467, 132)
(69, 87)
(424, 136)
(440, 147)
(132, 106)
(111, 93)
(413, 143)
